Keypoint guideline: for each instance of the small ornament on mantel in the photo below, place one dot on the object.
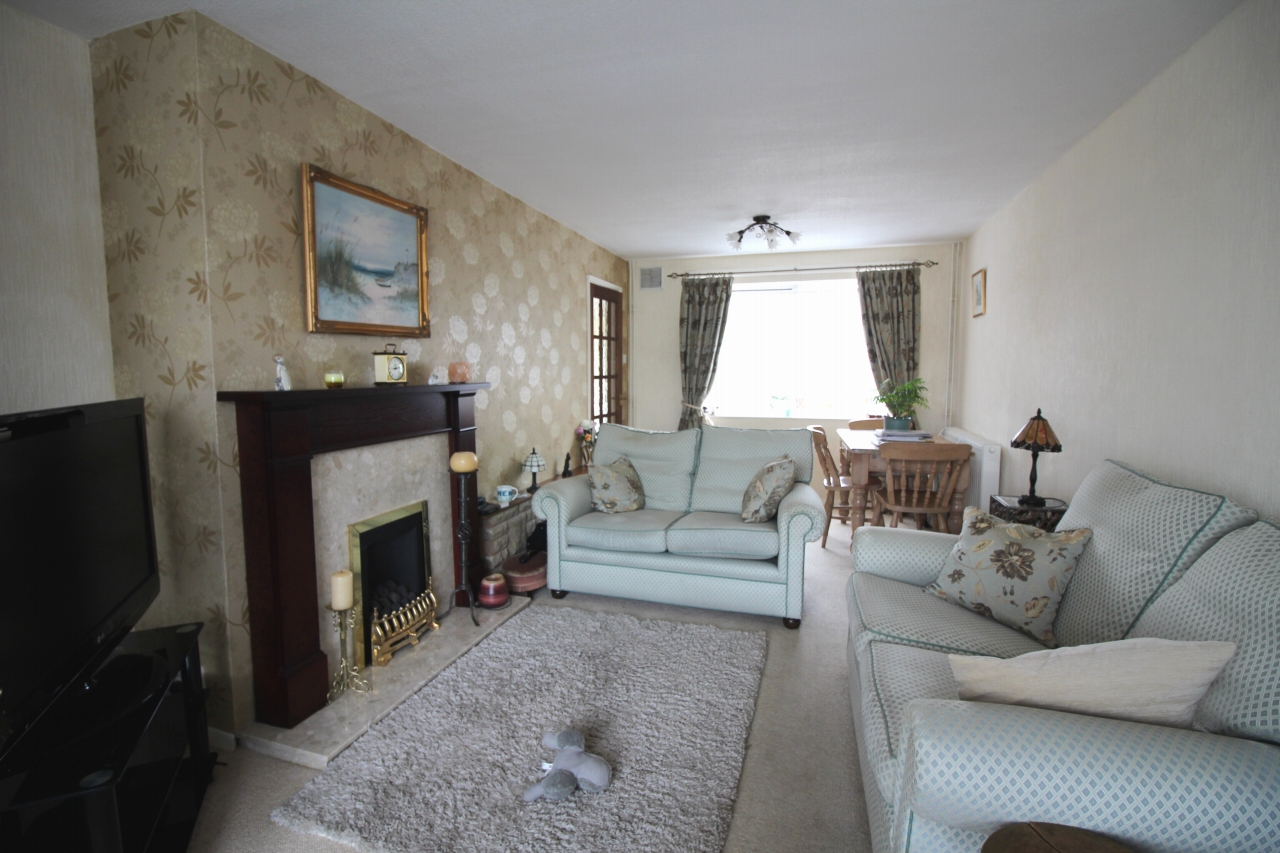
(282, 374)
(439, 375)
(459, 372)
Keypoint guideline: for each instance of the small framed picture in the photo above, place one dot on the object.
(980, 292)
(366, 259)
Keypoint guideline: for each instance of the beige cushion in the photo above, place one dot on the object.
(615, 487)
(767, 488)
(1145, 680)
(1013, 573)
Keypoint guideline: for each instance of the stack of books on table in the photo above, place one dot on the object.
(883, 435)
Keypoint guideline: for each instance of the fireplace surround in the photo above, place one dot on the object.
(279, 434)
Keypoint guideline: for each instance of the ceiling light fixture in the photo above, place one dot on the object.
(762, 227)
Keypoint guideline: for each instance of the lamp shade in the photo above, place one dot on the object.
(464, 462)
(533, 463)
(1037, 436)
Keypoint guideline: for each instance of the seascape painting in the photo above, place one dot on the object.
(366, 259)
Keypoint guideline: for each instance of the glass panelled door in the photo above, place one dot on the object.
(606, 354)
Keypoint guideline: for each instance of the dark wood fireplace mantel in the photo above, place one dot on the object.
(279, 432)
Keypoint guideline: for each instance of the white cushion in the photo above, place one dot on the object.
(1146, 680)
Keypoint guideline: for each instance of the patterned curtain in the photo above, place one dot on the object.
(891, 319)
(704, 308)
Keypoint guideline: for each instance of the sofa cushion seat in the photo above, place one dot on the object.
(644, 530)
(883, 609)
(722, 534)
(748, 570)
(890, 676)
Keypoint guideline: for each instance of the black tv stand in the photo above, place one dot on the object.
(118, 764)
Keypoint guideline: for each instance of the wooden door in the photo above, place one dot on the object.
(606, 354)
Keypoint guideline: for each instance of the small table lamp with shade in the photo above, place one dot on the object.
(1036, 436)
(533, 463)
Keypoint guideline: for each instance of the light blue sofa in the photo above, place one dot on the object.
(689, 545)
(941, 774)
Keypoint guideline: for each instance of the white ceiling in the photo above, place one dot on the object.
(655, 127)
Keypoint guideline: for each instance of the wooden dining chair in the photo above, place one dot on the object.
(919, 480)
(833, 481)
(863, 425)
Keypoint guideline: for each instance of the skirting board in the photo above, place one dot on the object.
(220, 741)
(318, 739)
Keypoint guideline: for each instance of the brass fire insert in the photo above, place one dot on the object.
(403, 627)
(406, 625)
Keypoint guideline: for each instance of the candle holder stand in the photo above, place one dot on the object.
(347, 675)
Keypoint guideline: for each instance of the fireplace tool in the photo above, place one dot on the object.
(347, 675)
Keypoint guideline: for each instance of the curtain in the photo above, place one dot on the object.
(891, 319)
(704, 308)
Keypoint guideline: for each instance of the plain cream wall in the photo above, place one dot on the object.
(55, 335)
(1134, 288)
(655, 351)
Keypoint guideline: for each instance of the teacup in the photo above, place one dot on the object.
(506, 494)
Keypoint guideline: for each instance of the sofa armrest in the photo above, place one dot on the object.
(977, 766)
(800, 519)
(910, 556)
(558, 503)
(800, 504)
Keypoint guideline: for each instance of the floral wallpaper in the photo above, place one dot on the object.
(200, 138)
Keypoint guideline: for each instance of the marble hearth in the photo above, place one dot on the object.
(316, 740)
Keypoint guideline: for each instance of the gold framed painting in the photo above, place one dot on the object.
(366, 259)
(980, 292)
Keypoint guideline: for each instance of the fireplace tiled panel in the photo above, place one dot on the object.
(352, 485)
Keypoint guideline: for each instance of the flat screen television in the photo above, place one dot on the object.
(78, 561)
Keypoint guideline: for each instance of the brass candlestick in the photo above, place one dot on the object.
(347, 675)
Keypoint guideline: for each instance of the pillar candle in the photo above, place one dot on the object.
(342, 594)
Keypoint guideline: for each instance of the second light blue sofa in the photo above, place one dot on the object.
(941, 774)
(689, 545)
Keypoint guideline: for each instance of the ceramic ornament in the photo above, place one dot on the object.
(282, 374)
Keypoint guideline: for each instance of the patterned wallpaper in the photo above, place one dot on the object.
(200, 137)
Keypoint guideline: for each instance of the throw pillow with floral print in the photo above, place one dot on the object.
(615, 487)
(767, 488)
(1013, 573)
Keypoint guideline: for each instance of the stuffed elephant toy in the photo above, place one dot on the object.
(572, 768)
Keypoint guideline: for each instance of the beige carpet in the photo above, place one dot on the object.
(800, 788)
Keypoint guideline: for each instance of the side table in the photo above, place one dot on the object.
(1049, 838)
(1045, 517)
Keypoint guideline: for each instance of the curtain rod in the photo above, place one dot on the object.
(902, 265)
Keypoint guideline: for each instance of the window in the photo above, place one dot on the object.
(606, 354)
(794, 350)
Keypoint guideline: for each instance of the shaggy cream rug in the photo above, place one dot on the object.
(668, 705)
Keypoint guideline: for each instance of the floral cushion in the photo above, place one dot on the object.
(767, 488)
(615, 487)
(1013, 573)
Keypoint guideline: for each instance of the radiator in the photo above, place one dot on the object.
(984, 467)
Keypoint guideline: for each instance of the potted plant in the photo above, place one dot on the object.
(902, 401)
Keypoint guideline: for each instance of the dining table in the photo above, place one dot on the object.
(860, 458)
